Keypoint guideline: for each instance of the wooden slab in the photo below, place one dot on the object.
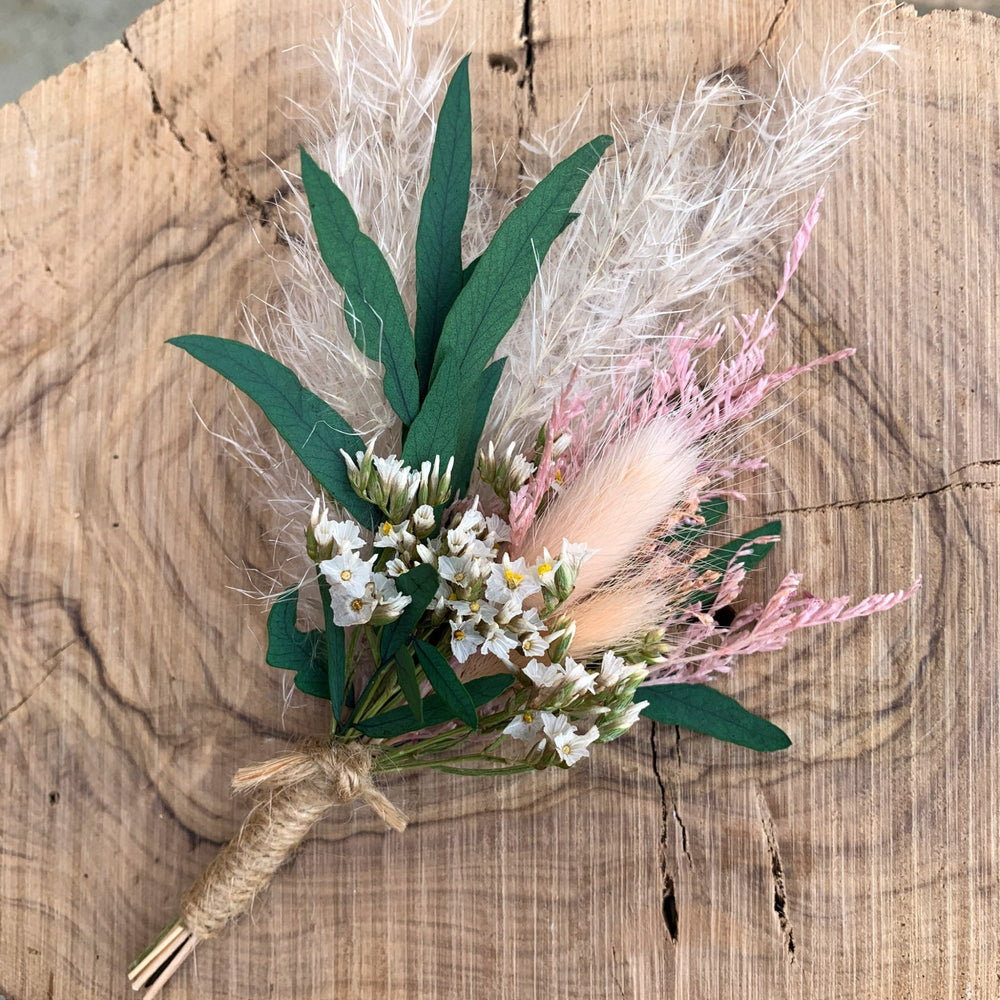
(136, 194)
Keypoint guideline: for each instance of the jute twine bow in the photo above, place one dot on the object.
(303, 785)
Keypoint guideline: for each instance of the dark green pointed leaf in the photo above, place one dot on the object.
(314, 680)
(406, 674)
(571, 217)
(420, 585)
(445, 682)
(287, 647)
(471, 429)
(313, 429)
(705, 710)
(376, 317)
(442, 217)
(489, 304)
(745, 551)
(398, 721)
(290, 649)
(336, 657)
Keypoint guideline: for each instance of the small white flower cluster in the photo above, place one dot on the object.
(602, 698)
(358, 594)
(482, 593)
(395, 488)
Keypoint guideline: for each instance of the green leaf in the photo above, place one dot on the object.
(752, 552)
(471, 429)
(290, 649)
(442, 218)
(398, 721)
(313, 429)
(336, 657)
(373, 308)
(287, 647)
(420, 585)
(571, 217)
(445, 682)
(406, 674)
(705, 710)
(489, 304)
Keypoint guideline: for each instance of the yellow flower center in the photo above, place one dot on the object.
(526, 645)
(559, 478)
(544, 568)
(474, 607)
(459, 634)
(357, 604)
(345, 575)
(459, 577)
(567, 749)
(528, 717)
(386, 528)
(513, 579)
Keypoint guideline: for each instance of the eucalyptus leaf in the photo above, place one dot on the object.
(705, 710)
(290, 649)
(442, 217)
(336, 657)
(746, 551)
(490, 302)
(373, 308)
(445, 682)
(398, 721)
(420, 585)
(406, 674)
(571, 217)
(312, 428)
(471, 430)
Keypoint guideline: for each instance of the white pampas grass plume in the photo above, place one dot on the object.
(689, 201)
(617, 501)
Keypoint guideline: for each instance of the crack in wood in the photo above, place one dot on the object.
(786, 6)
(777, 873)
(241, 193)
(527, 79)
(157, 106)
(668, 905)
(876, 501)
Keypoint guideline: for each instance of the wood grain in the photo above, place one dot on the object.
(136, 194)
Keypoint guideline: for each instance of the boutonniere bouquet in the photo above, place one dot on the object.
(511, 431)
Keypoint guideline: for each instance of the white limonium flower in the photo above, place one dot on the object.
(511, 580)
(570, 745)
(348, 572)
(630, 716)
(576, 675)
(614, 670)
(423, 520)
(499, 642)
(395, 536)
(525, 727)
(544, 675)
(465, 640)
(352, 609)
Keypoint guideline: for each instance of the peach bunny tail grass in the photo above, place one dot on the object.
(615, 617)
(617, 501)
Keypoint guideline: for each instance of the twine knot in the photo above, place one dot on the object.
(302, 785)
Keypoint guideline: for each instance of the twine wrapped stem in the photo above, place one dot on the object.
(301, 787)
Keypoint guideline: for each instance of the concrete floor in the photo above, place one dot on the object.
(39, 37)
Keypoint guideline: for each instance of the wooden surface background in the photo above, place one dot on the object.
(136, 198)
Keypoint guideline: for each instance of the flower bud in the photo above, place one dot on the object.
(423, 521)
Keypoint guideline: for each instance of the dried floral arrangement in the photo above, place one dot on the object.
(508, 560)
